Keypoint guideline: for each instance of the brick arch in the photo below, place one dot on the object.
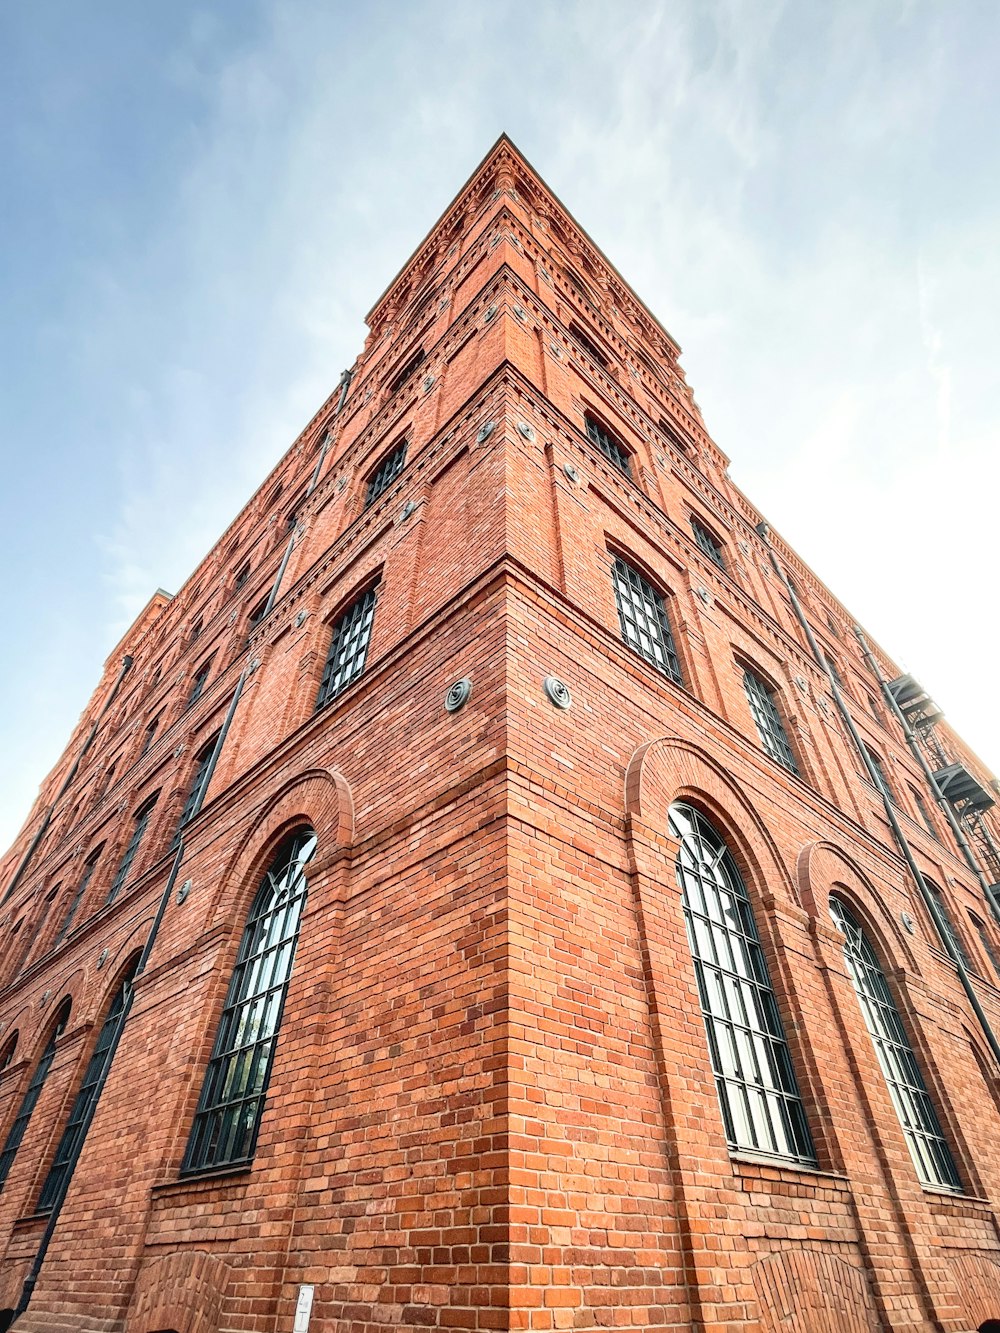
(669, 769)
(179, 1293)
(977, 1279)
(823, 868)
(320, 797)
(813, 1291)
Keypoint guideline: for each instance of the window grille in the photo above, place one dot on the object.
(196, 791)
(198, 684)
(881, 780)
(409, 368)
(588, 345)
(141, 824)
(921, 1128)
(611, 447)
(386, 473)
(984, 940)
(645, 627)
(231, 1105)
(708, 543)
(85, 878)
(33, 1092)
(72, 1135)
(761, 1107)
(348, 648)
(954, 939)
(770, 728)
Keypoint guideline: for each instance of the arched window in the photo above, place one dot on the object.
(72, 1136)
(921, 1128)
(232, 1098)
(9, 1047)
(770, 728)
(760, 1101)
(32, 1094)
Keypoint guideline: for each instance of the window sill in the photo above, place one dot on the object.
(759, 1167)
(215, 1176)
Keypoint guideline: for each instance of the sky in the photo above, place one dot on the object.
(201, 201)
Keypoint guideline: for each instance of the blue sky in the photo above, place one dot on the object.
(201, 201)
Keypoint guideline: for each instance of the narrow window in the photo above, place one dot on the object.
(954, 939)
(192, 803)
(9, 1049)
(386, 473)
(642, 613)
(106, 779)
(831, 625)
(72, 1135)
(196, 629)
(881, 780)
(921, 1128)
(924, 813)
(257, 615)
(674, 436)
(985, 941)
(770, 728)
(761, 1107)
(409, 368)
(81, 889)
(198, 684)
(138, 829)
(232, 1098)
(610, 446)
(875, 711)
(32, 1094)
(292, 517)
(150, 736)
(708, 544)
(242, 574)
(588, 345)
(348, 648)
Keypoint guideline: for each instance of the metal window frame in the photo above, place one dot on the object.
(770, 728)
(761, 1106)
(609, 444)
(233, 1095)
(349, 641)
(199, 682)
(386, 472)
(138, 832)
(707, 542)
(31, 1095)
(929, 1150)
(645, 625)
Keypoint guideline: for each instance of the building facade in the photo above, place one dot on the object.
(501, 889)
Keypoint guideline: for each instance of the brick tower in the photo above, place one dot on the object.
(501, 888)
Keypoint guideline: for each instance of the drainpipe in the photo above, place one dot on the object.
(914, 746)
(126, 663)
(900, 837)
(31, 1280)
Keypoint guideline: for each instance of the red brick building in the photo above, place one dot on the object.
(640, 977)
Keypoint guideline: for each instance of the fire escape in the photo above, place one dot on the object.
(965, 794)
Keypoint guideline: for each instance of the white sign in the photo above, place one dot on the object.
(304, 1308)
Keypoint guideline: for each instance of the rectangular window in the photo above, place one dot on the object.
(409, 368)
(645, 627)
(610, 446)
(198, 684)
(882, 780)
(770, 729)
(708, 544)
(139, 828)
(949, 926)
(924, 813)
(150, 736)
(81, 889)
(196, 791)
(587, 345)
(386, 473)
(242, 574)
(348, 648)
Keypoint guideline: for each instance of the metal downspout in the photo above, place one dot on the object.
(900, 837)
(31, 1280)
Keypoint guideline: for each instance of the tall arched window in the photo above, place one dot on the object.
(921, 1128)
(760, 1101)
(72, 1136)
(232, 1098)
(32, 1094)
